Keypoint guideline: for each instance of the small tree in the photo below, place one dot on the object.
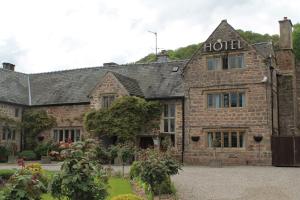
(126, 153)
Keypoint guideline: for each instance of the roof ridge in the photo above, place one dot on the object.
(7, 70)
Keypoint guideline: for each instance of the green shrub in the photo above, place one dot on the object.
(165, 187)
(24, 185)
(135, 170)
(126, 197)
(3, 154)
(28, 155)
(6, 173)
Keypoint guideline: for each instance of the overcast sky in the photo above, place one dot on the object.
(48, 35)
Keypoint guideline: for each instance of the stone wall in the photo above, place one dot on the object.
(9, 110)
(254, 118)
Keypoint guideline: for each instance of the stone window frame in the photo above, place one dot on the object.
(238, 131)
(221, 92)
(56, 138)
(8, 131)
(109, 95)
(220, 56)
(168, 118)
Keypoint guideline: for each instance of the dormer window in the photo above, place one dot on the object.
(107, 100)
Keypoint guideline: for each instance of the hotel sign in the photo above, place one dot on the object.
(220, 45)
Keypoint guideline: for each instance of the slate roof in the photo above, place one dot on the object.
(153, 80)
(131, 85)
(264, 48)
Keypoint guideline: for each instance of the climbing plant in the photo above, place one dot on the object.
(34, 122)
(127, 117)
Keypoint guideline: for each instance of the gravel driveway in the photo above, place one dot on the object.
(238, 183)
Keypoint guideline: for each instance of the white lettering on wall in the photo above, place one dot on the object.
(220, 45)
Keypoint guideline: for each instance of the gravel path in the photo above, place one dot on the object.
(238, 183)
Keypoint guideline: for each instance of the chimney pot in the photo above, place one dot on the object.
(8, 66)
(110, 64)
(163, 56)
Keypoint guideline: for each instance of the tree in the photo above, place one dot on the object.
(127, 117)
(34, 122)
(296, 40)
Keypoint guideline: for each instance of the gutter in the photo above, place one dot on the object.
(29, 92)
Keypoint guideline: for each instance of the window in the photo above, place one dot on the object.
(225, 100)
(226, 139)
(16, 112)
(63, 135)
(107, 101)
(169, 118)
(8, 134)
(214, 63)
(226, 61)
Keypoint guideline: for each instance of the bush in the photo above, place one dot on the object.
(165, 187)
(3, 154)
(135, 170)
(6, 173)
(28, 155)
(126, 197)
(24, 185)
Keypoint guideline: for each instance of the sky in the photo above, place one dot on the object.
(50, 35)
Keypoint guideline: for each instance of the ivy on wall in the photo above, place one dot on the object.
(127, 117)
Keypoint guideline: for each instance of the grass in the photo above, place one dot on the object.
(118, 186)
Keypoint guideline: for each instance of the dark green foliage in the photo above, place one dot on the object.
(34, 122)
(81, 176)
(24, 185)
(6, 173)
(155, 168)
(28, 155)
(126, 118)
(3, 153)
(296, 40)
(43, 149)
(165, 187)
(253, 37)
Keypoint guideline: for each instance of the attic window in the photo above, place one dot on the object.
(175, 69)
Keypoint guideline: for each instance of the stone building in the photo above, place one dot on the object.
(230, 91)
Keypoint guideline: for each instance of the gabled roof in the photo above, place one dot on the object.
(153, 80)
(265, 49)
(131, 85)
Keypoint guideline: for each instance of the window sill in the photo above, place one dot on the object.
(229, 149)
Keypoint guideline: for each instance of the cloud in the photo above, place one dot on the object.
(61, 34)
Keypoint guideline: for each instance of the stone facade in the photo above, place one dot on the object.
(13, 112)
(268, 82)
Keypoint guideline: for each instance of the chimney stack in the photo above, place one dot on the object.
(286, 29)
(8, 66)
(163, 56)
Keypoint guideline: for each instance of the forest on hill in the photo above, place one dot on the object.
(251, 37)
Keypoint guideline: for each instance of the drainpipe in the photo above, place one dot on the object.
(183, 131)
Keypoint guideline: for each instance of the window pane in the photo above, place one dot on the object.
(166, 110)
(217, 100)
(77, 135)
(226, 139)
(209, 139)
(233, 99)
(225, 62)
(172, 125)
(66, 135)
(8, 134)
(55, 135)
(72, 135)
(209, 100)
(172, 110)
(173, 140)
(241, 138)
(166, 125)
(233, 139)
(218, 139)
(4, 134)
(236, 61)
(213, 63)
(241, 99)
(61, 135)
(226, 100)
